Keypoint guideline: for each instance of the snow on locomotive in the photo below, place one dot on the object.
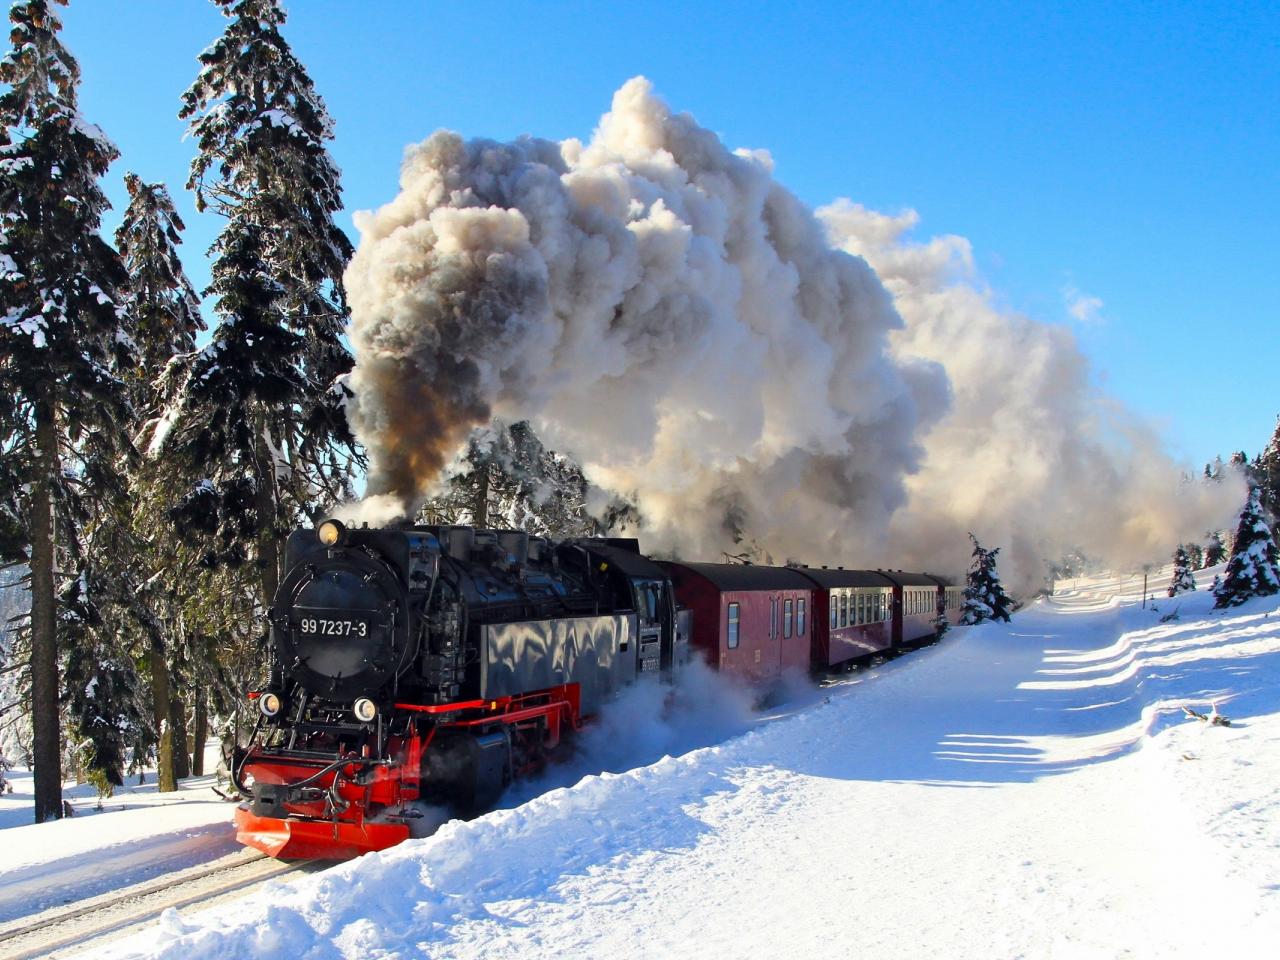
(434, 664)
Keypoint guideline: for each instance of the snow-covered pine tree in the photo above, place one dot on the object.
(1215, 550)
(62, 402)
(102, 688)
(508, 478)
(1251, 571)
(260, 423)
(164, 314)
(1266, 472)
(984, 596)
(1182, 581)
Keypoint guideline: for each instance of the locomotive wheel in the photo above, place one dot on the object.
(467, 771)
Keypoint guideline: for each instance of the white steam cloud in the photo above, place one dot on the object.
(668, 314)
(1031, 456)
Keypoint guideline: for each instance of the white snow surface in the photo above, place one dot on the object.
(1023, 790)
(139, 834)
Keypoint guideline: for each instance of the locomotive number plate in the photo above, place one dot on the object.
(336, 627)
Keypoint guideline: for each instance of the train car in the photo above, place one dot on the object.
(915, 606)
(753, 622)
(434, 664)
(950, 599)
(852, 615)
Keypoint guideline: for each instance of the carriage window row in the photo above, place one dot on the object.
(920, 601)
(793, 619)
(851, 608)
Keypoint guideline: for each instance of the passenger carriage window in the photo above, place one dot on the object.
(800, 618)
(787, 608)
(844, 609)
(834, 603)
(733, 626)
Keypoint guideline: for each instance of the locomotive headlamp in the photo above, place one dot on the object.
(365, 710)
(331, 532)
(269, 704)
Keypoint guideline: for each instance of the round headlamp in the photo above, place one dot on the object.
(331, 533)
(269, 704)
(365, 710)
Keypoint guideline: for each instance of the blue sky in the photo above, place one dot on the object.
(1126, 151)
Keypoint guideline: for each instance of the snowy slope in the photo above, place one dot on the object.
(1023, 790)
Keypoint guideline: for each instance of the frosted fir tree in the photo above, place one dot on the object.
(508, 478)
(261, 423)
(1182, 581)
(984, 596)
(62, 347)
(164, 314)
(1266, 472)
(1215, 550)
(1251, 571)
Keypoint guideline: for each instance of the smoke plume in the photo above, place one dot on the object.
(662, 309)
(1031, 456)
(669, 315)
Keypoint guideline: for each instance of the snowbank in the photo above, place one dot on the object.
(983, 798)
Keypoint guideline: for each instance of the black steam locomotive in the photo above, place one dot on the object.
(434, 664)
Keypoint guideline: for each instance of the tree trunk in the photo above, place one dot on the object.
(46, 735)
(482, 498)
(200, 734)
(265, 503)
(181, 759)
(167, 776)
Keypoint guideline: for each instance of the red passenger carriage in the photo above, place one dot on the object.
(751, 621)
(852, 614)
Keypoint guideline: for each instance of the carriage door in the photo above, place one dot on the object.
(774, 666)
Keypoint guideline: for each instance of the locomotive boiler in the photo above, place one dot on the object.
(432, 664)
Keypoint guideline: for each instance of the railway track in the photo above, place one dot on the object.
(66, 931)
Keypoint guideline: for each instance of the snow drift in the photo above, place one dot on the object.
(667, 313)
(1030, 789)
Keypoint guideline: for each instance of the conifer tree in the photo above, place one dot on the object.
(1214, 549)
(61, 347)
(260, 421)
(984, 596)
(508, 478)
(165, 317)
(1251, 571)
(1266, 472)
(1182, 581)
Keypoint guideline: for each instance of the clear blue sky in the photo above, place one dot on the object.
(1128, 150)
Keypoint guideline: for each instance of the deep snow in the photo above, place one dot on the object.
(1022, 790)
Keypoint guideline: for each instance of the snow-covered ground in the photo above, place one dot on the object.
(1023, 790)
(138, 834)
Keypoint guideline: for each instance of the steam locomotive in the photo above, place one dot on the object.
(434, 664)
